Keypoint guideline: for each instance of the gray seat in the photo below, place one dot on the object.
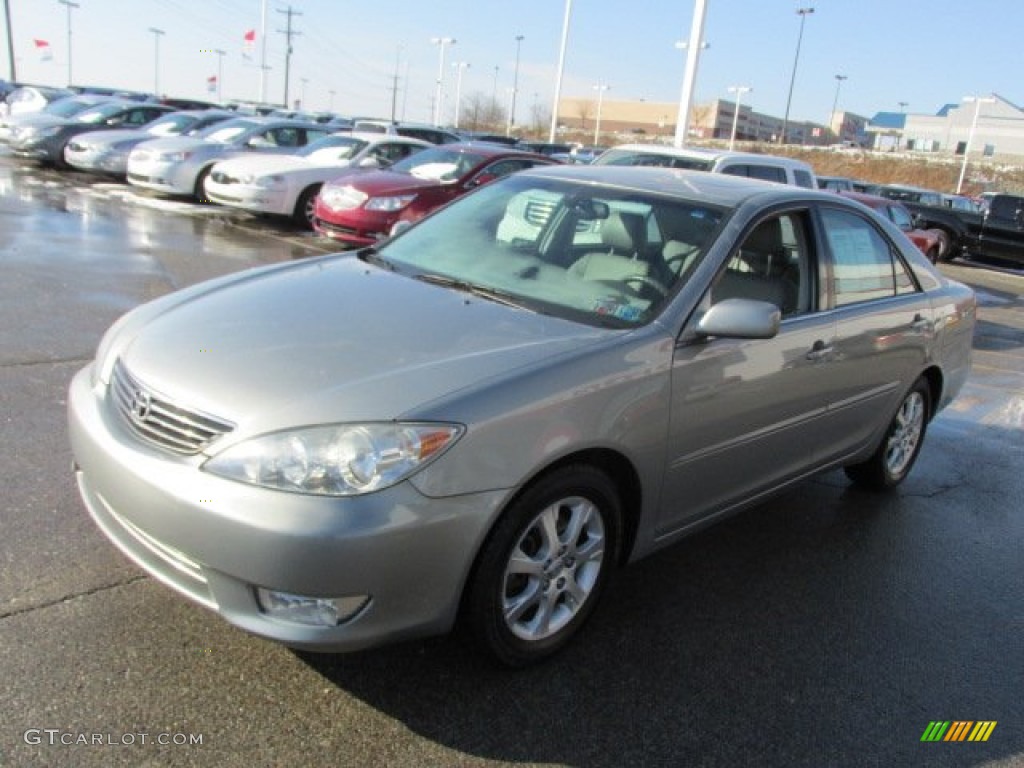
(621, 236)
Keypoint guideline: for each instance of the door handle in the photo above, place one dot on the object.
(920, 323)
(819, 350)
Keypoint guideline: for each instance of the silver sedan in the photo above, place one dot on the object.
(564, 371)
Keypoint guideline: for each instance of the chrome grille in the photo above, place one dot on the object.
(160, 421)
(538, 212)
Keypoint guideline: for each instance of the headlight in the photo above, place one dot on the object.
(40, 133)
(263, 182)
(340, 460)
(342, 198)
(173, 157)
(396, 203)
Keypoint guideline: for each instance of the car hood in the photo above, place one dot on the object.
(107, 138)
(334, 340)
(391, 182)
(265, 165)
(180, 144)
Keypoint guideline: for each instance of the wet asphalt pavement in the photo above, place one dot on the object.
(828, 627)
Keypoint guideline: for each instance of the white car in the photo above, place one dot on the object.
(287, 185)
(179, 165)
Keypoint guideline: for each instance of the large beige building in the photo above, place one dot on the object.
(713, 120)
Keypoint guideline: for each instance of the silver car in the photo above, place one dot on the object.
(180, 165)
(480, 418)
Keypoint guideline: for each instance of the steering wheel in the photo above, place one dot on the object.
(640, 284)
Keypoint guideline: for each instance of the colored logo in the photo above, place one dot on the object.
(958, 730)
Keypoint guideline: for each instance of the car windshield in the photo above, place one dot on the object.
(331, 148)
(99, 113)
(227, 131)
(66, 107)
(439, 164)
(598, 255)
(171, 125)
(661, 160)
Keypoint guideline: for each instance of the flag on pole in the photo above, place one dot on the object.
(248, 43)
(43, 49)
(211, 84)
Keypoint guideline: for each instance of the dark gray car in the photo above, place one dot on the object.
(563, 371)
(45, 140)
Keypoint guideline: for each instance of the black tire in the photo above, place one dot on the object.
(303, 213)
(199, 191)
(898, 450)
(524, 613)
(933, 255)
(945, 245)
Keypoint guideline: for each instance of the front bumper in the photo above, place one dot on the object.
(107, 161)
(249, 198)
(216, 541)
(158, 176)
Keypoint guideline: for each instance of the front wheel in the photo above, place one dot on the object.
(305, 207)
(541, 571)
(896, 454)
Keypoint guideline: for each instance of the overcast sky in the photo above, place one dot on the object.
(923, 52)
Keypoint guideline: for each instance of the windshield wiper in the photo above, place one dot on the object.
(492, 294)
(370, 255)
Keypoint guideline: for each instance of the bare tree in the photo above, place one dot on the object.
(583, 111)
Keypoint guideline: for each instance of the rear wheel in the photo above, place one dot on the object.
(541, 571)
(896, 454)
(305, 206)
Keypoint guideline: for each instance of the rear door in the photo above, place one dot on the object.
(884, 326)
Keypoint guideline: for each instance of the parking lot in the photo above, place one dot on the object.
(827, 627)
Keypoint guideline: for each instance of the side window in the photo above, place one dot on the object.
(505, 167)
(900, 217)
(803, 179)
(772, 264)
(863, 262)
(283, 137)
(767, 172)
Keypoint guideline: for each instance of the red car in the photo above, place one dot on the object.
(361, 209)
(928, 241)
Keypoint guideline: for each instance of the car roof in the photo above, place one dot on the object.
(703, 153)
(713, 188)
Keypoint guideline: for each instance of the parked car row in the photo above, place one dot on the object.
(342, 183)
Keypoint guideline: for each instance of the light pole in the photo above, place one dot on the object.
(696, 43)
(441, 42)
(69, 5)
(803, 12)
(978, 101)
(600, 88)
(739, 90)
(561, 70)
(835, 104)
(515, 88)
(459, 67)
(157, 34)
(330, 104)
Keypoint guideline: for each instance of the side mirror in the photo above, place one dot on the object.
(741, 319)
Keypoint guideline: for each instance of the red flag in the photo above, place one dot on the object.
(43, 49)
(248, 42)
